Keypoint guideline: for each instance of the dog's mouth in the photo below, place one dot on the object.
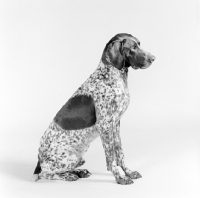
(141, 66)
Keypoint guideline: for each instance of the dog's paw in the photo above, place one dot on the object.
(35, 177)
(124, 180)
(66, 176)
(133, 175)
(71, 177)
(82, 173)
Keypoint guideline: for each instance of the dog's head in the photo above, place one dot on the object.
(124, 50)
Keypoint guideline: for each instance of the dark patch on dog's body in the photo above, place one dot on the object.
(77, 113)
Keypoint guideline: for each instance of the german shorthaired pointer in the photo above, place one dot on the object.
(94, 110)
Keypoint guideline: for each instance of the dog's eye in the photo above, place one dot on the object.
(134, 47)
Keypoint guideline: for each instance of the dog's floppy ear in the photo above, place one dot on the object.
(114, 53)
(122, 47)
(125, 51)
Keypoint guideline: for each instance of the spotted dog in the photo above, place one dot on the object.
(93, 110)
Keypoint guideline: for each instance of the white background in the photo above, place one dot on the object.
(48, 48)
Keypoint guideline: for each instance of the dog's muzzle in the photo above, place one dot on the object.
(149, 60)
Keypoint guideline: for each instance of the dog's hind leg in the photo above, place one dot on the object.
(61, 165)
(71, 175)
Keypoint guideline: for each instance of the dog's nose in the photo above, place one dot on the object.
(152, 58)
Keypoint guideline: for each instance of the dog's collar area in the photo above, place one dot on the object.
(124, 70)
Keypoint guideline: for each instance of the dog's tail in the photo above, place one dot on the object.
(38, 170)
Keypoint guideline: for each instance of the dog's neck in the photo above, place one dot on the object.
(123, 67)
(110, 71)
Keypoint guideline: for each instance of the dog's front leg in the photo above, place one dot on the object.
(105, 128)
(120, 154)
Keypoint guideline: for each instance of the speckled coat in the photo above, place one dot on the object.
(78, 123)
(62, 150)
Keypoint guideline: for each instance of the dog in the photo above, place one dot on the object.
(95, 109)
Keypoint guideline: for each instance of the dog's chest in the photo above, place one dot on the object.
(113, 87)
(122, 94)
(105, 85)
